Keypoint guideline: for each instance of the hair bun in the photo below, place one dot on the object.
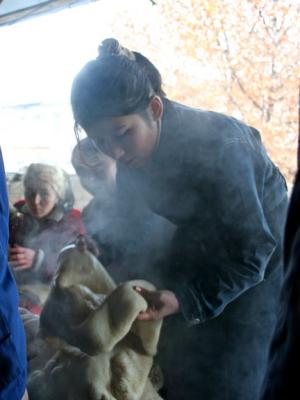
(111, 47)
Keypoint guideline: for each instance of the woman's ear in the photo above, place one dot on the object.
(156, 107)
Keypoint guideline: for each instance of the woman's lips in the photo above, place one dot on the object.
(134, 162)
(36, 211)
(129, 161)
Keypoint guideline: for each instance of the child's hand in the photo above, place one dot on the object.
(161, 303)
(21, 257)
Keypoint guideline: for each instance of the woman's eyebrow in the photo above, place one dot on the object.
(120, 127)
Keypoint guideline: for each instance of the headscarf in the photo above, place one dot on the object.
(54, 176)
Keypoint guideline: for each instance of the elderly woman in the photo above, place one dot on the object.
(42, 224)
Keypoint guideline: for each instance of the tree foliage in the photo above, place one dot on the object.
(253, 50)
(241, 57)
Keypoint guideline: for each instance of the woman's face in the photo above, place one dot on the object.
(41, 199)
(129, 139)
(91, 178)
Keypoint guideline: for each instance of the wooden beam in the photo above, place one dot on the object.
(43, 7)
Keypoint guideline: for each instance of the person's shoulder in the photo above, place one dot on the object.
(190, 113)
(20, 204)
(74, 213)
(181, 109)
(72, 221)
(194, 121)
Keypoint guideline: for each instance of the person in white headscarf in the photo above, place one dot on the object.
(42, 224)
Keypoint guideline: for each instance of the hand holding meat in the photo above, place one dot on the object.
(92, 325)
(161, 303)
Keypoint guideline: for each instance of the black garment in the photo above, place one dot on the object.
(282, 377)
(211, 177)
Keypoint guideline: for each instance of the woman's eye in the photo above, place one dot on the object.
(29, 194)
(44, 193)
(121, 134)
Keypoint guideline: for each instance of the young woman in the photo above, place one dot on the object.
(42, 224)
(210, 176)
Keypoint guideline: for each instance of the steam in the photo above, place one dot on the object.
(135, 248)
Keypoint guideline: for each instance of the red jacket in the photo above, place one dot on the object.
(47, 236)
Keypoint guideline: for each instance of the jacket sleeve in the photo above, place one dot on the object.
(13, 363)
(230, 237)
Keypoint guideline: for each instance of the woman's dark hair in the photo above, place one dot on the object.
(118, 82)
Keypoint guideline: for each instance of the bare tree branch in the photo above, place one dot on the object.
(234, 73)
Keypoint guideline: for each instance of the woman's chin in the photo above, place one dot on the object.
(37, 214)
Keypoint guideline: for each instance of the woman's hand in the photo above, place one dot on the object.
(161, 303)
(25, 397)
(21, 257)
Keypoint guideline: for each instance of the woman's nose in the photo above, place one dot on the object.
(37, 199)
(117, 152)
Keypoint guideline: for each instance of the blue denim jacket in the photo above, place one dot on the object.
(12, 337)
(212, 178)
